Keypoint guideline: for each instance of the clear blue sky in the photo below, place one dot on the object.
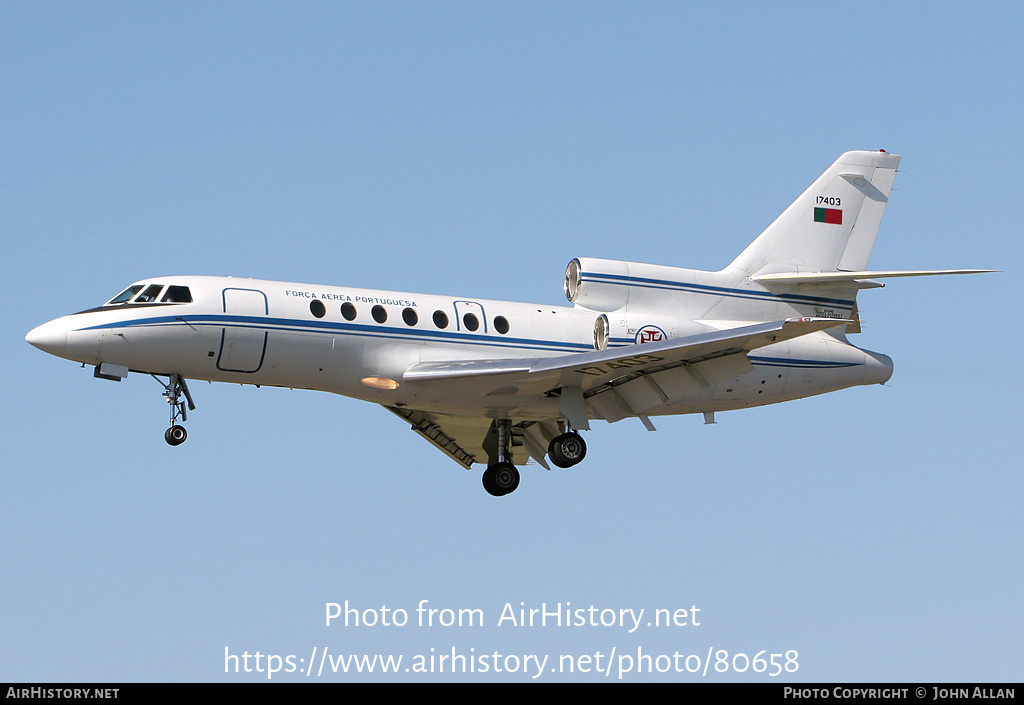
(474, 148)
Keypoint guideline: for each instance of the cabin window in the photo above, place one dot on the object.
(501, 325)
(440, 319)
(317, 308)
(126, 295)
(177, 295)
(379, 313)
(348, 311)
(410, 317)
(471, 321)
(150, 294)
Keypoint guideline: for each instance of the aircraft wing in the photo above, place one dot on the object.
(595, 369)
(579, 376)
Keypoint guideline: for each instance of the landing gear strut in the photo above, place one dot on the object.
(174, 390)
(501, 477)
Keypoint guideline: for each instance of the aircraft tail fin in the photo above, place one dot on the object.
(832, 226)
(810, 262)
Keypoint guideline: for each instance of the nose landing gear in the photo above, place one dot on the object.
(174, 390)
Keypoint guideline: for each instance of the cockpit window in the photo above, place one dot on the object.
(150, 294)
(172, 295)
(126, 294)
(177, 295)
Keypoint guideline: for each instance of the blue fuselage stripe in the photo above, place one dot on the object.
(336, 327)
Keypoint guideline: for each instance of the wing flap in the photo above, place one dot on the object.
(426, 425)
(462, 438)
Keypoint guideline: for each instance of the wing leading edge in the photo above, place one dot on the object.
(594, 369)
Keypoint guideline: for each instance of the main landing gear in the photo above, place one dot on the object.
(174, 390)
(502, 477)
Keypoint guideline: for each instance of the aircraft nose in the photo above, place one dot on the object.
(51, 337)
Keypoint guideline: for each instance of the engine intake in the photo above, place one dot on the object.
(597, 284)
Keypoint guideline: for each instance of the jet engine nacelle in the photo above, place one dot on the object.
(613, 285)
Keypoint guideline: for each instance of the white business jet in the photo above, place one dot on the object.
(499, 383)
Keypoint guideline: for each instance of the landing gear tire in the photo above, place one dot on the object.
(567, 450)
(175, 435)
(501, 479)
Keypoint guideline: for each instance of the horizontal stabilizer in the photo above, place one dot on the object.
(833, 277)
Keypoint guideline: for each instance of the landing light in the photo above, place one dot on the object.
(379, 383)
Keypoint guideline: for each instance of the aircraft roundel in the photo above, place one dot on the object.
(650, 334)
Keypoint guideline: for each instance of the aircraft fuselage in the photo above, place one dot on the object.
(336, 339)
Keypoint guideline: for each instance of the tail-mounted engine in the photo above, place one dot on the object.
(597, 284)
(639, 303)
(610, 285)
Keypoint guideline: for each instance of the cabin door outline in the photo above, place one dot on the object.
(243, 340)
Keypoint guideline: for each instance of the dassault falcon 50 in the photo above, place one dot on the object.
(499, 383)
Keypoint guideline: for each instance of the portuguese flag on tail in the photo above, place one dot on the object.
(833, 216)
